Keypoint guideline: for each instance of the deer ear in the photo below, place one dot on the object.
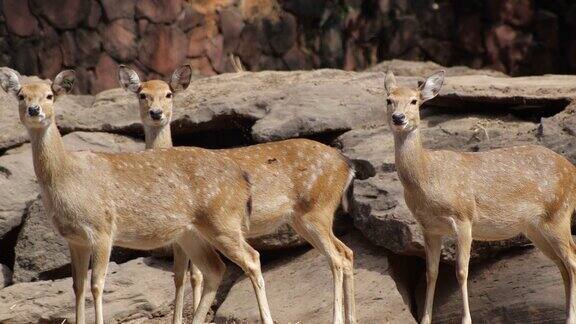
(9, 80)
(390, 82)
(431, 86)
(181, 78)
(64, 82)
(129, 79)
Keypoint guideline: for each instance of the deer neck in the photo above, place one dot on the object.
(158, 137)
(48, 154)
(411, 158)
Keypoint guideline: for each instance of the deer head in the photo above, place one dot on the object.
(156, 96)
(36, 99)
(403, 103)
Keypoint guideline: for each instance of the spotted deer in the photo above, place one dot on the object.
(491, 195)
(192, 197)
(298, 181)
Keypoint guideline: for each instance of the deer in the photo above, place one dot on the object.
(192, 197)
(489, 195)
(298, 182)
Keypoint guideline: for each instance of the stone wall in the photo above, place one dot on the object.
(93, 36)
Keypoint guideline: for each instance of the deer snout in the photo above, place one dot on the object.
(33, 110)
(398, 119)
(155, 114)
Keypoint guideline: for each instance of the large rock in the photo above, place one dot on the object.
(41, 252)
(381, 213)
(5, 276)
(520, 287)
(62, 14)
(423, 69)
(300, 290)
(129, 294)
(284, 237)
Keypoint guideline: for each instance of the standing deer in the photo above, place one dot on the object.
(298, 181)
(491, 195)
(192, 197)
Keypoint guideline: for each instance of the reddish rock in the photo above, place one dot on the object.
(163, 48)
(281, 33)
(202, 66)
(50, 59)
(295, 59)
(513, 12)
(119, 39)
(62, 14)
(546, 29)
(69, 50)
(25, 59)
(19, 19)
(231, 24)
(88, 43)
(142, 25)
(215, 52)
(197, 45)
(249, 49)
(404, 36)
(189, 18)
(115, 9)
(84, 79)
(470, 33)
(439, 51)
(159, 11)
(104, 74)
(95, 14)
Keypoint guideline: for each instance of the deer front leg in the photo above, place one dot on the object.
(433, 246)
(101, 255)
(80, 257)
(180, 266)
(463, 230)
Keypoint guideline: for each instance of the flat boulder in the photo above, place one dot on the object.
(129, 294)
(519, 287)
(300, 290)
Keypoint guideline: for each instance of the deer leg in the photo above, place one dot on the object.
(318, 233)
(558, 235)
(212, 268)
(100, 258)
(80, 257)
(235, 248)
(196, 282)
(463, 230)
(180, 266)
(433, 247)
(542, 244)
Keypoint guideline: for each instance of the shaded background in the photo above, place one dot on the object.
(518, 37)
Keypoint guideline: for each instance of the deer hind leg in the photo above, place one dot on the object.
(100, 258)
(80, 256)
(558, 235)
(433, 247)
(463, 231)
(542, 244)
(316, 228)
(212, 268)
(235, 248)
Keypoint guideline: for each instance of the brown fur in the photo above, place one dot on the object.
(488, 195)
(298, 182)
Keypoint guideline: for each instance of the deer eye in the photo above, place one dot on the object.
(413, 102)
(20, 97)
(49, 97)
(169, 95)
(142, 96)
(388, 102)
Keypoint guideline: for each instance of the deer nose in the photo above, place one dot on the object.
(34, 111)
(155, 114)
(398, 119)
